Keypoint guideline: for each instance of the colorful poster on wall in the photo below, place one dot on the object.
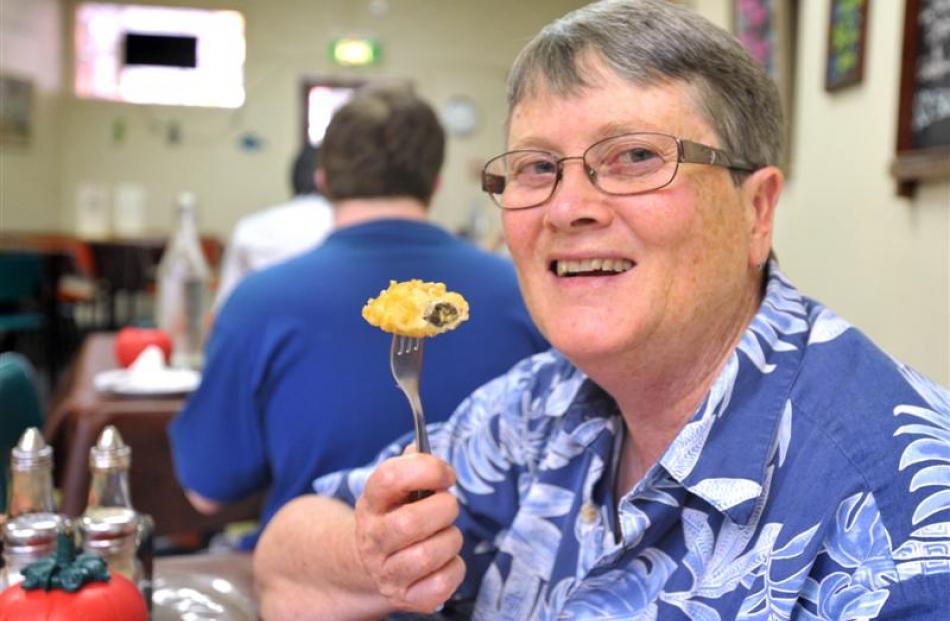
(847, 25)
(755, 28)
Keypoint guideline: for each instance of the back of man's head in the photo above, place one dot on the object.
(382, 143)
(305, 168)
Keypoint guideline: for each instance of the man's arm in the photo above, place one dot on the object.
(202, 505)
(320, 559)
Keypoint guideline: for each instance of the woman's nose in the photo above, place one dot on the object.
(576, 202)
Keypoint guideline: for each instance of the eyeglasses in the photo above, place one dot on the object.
(619, 166)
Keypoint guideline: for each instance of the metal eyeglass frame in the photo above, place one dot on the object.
(688, 152)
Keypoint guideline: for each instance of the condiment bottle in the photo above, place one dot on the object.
(110, 526)
(31, 475)
(28, 538)
(183, 289)
(30, 531)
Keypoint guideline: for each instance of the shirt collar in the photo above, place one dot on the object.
(723, 452)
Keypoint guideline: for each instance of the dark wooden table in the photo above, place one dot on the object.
(79, 415)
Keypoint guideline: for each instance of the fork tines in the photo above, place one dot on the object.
(406, 344)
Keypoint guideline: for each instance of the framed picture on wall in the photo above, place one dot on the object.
(767, 29)
(923, 124)
(16, 110)
(847, 38)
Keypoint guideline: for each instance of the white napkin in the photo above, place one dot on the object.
(147, 375)
(148, 365)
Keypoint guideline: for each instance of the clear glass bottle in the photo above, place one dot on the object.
(183, 289)
(31, 475)
(32, 523)
(28, 538)
(110, 526)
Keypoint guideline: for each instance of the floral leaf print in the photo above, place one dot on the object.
(782, 314)
(826, 326)
(779, 592)
(934, 446)
(935, 503)
(698, 611)
(620, 594)
(656, 493)
(841, 599)
(699, 540)
(532, 543)
(931, 452)
(727, 493)
(860, 541)
(567, 446)
(719, 569)
(930, 476)
(681, 456)
(784, 438)
(938, 398)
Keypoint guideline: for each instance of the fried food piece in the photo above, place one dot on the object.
(415, 308)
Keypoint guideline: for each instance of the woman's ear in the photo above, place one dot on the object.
(760, 193)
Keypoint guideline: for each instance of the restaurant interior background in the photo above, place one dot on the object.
(843, 233)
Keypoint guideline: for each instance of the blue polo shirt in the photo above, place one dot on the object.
(811, 483)
(296, 384)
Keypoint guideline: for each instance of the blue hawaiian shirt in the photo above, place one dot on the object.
(813, 482)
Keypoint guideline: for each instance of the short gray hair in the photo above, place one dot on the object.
(650, 42)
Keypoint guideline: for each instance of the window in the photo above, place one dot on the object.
(160, 55)
(321, 100)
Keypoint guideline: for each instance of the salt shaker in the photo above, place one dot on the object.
(110, 526)
(32, 524)
(31, 475)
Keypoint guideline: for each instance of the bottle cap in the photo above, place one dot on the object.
(32, 532)
(186, 201)
(106, 523)
(31, 452)
(110, 451)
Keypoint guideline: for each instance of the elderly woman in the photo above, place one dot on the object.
(703, 442)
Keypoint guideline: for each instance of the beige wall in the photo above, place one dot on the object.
(443, 47)
(31, 48)
(843, 236)
(880, 260)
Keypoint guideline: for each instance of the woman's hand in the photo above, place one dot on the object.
(410, 549)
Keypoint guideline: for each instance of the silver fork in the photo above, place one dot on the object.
(405, 360)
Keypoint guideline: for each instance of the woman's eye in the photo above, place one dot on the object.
(535, 167)
(638, 154)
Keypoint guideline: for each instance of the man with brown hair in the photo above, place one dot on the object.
(296, 384)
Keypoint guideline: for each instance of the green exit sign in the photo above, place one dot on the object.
(352, 52)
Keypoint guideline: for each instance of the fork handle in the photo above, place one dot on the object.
(418, 421)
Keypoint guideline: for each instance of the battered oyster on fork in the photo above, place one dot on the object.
(415, 308)
(410, 311)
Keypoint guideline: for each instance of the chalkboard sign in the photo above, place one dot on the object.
(847, 27)
(923, 129)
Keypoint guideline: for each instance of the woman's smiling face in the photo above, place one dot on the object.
(678, 259)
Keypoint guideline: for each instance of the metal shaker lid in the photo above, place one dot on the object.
(110, 451)
(31, 452)
(33, 530)
(108, 523)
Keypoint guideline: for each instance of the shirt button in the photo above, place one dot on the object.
(588, 513)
